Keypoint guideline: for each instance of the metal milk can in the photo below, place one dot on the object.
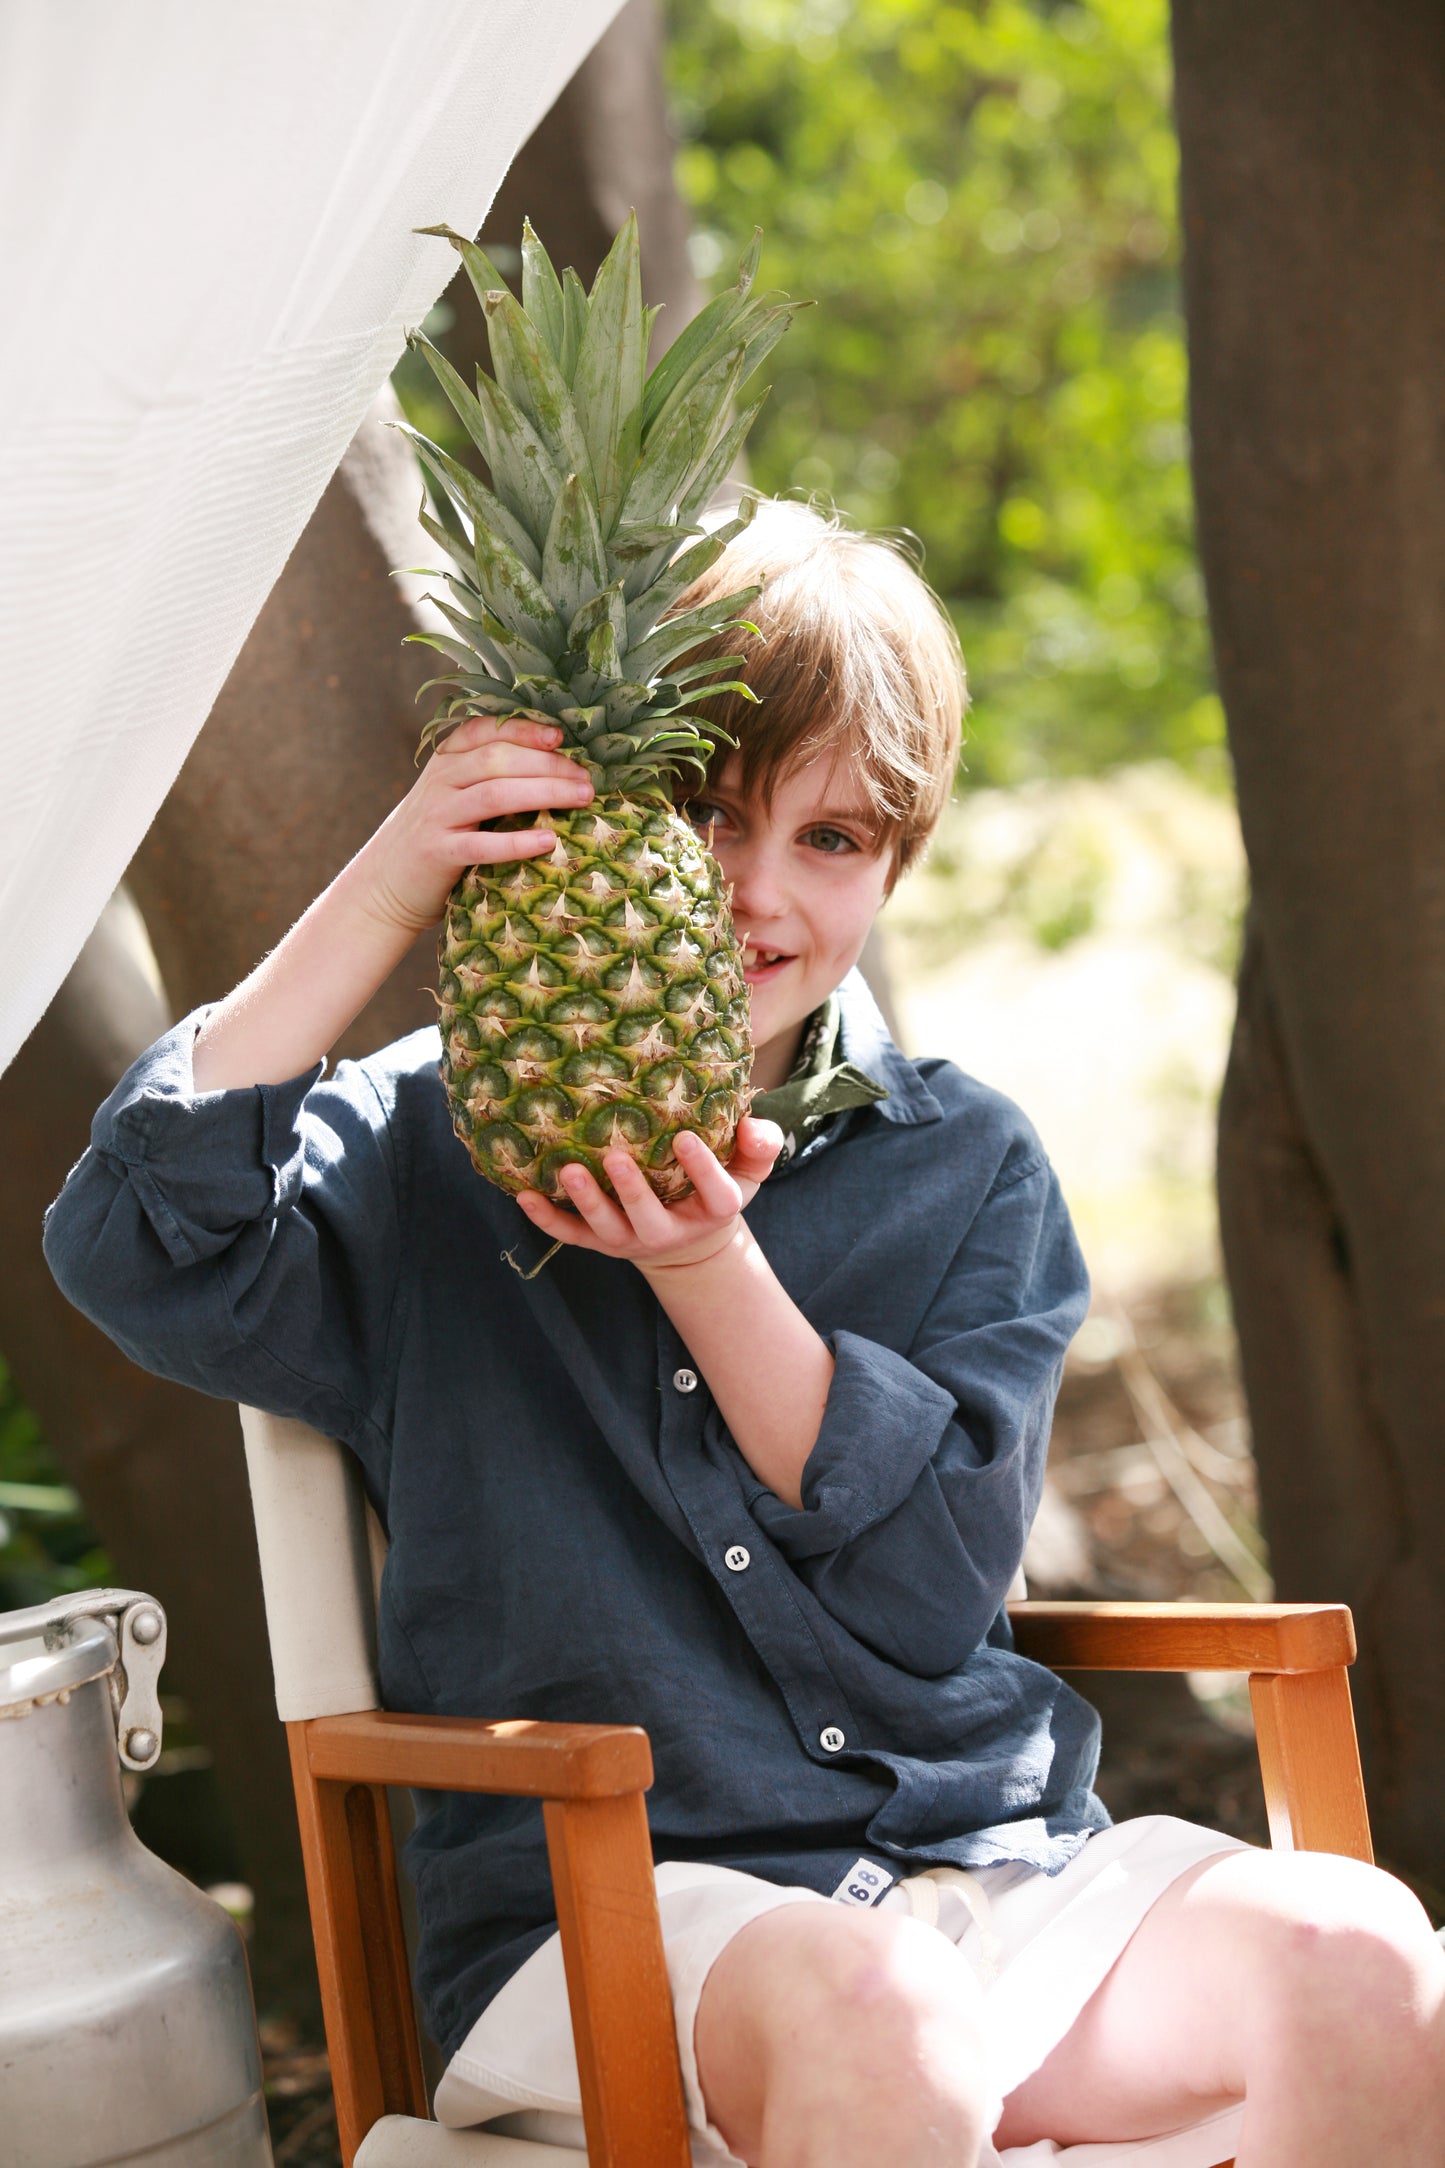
(127, 2031)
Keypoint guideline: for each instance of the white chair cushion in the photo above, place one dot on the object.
(317, 1565)
(400, 2141)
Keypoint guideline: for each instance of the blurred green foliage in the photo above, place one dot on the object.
(980, 194)
(46, 1546)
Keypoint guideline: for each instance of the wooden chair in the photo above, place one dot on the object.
(320, 1554)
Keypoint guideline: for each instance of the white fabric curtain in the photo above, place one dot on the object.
(207, 266)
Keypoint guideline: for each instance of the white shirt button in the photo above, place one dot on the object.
(685, 1380)
(738, 1559)
(831, 1740)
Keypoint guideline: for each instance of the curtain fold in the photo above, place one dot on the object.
(208, 265)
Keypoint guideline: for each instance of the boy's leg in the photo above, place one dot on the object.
(1309, 1985)
(834, 2038)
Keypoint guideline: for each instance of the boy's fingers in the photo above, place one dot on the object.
(646, 1213)
(480, 730)
(552, 1220)
(500, 846)
(758, 1145)
(488, 765)
(491, 795)
(714, 1185)
(607, 1221)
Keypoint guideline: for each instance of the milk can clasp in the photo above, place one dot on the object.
(137, 1627)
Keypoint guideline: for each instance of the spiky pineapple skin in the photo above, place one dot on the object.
(594, 998)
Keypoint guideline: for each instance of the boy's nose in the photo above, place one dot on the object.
(757, 890)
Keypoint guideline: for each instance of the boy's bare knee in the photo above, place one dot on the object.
(857, 2021)
(1349, 1953)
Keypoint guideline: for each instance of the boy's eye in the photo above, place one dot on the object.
(830, 840)
(705, 815)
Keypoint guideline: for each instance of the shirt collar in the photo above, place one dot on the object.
(865, 1042)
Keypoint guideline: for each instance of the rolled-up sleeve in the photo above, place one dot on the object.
(921, 1489)
(243, 1242)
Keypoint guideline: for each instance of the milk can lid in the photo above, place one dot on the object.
(49, 1650)
(35, 1666)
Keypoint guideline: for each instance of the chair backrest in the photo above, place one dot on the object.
(321, 1552)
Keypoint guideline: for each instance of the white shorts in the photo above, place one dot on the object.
(1039, 1945)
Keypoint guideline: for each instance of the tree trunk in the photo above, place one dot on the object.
(1313, 196)
(309, 745)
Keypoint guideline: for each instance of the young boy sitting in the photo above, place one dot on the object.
(756, 1471)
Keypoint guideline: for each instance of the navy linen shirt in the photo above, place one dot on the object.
(574, 1535)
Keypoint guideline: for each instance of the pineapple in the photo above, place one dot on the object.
(593, 998)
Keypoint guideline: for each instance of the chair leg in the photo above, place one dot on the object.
(360, 1950)
(632, 2103)
(1309, 1758)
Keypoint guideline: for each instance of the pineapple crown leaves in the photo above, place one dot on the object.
(566, 568)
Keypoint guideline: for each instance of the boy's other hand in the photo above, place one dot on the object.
(483, 770)
(637, 1226)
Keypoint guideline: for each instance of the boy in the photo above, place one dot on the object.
(756, 1471)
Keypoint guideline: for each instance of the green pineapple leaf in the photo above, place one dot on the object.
(677, 634)
(663, 590)
(473, 630)
(627, 544)
(523, 473)
(602, 655)
(518, 654)
(687, 673)
(574, 564)
(607, 605)
(574, 321)
(764, 335)
(458, 651)
(698, 343)
(752, 257)
(718, 463)
(473, 686)
(482, 272)
(526, 373)
(607, 383)
(683, 436)
(463, 402)
(516, 597)
(542, 293)
(623, 701)
(457, 547)
(457, 485)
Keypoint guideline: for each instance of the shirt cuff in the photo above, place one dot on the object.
(882, 1425)
(202, 1164)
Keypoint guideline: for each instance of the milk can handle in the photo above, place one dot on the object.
(138, 1628)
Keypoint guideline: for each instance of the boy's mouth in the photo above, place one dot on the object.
(761, 964)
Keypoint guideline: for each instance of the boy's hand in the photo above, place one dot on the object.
(638, 1226)
(483, 769)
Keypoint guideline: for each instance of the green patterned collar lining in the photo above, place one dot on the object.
(819, 1087)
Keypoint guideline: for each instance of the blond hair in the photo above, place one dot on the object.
(854, 655)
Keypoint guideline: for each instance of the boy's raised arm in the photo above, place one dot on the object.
(297, 1002)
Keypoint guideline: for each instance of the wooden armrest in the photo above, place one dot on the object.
(468, 1754)
(1270, 1637)
(590, 1779)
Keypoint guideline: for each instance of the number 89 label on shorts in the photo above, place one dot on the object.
(863, 1884)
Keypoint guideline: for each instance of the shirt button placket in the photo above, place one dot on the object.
(831, 1740)
(737, 1558)
(684, 1381)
